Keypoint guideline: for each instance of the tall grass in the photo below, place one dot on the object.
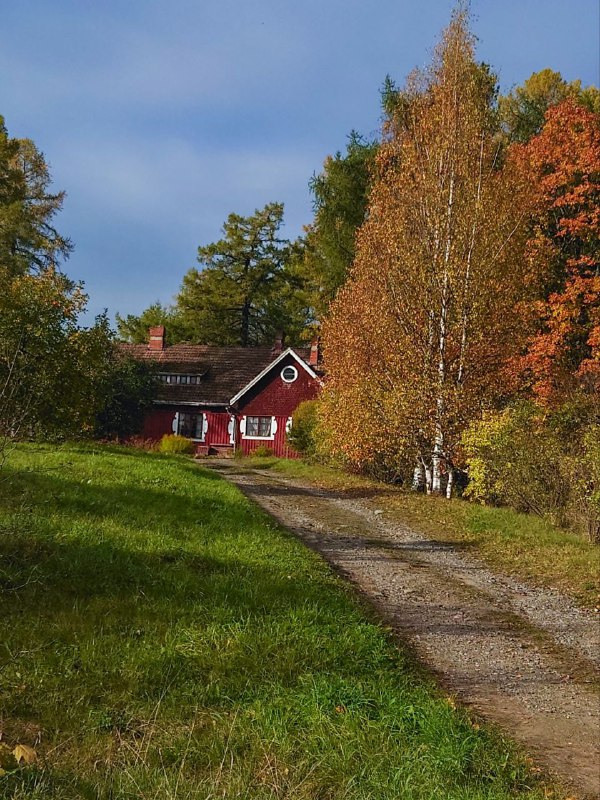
(162, 638)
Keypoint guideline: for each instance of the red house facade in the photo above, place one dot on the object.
(228, 398)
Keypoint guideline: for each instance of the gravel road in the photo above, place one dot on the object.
(526, 658)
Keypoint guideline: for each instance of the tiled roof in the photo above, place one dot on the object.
(225, 370)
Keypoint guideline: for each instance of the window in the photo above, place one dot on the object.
(190, 425)
(289, 374)
(258, 427)
(180, 379)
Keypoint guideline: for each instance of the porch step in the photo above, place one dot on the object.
(221, 450)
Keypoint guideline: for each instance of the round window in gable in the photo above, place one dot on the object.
(289, 374)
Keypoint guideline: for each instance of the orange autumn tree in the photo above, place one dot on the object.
(417, 341)
(563, 162)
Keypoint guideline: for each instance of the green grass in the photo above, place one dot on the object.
(521, 544)
(162, 638)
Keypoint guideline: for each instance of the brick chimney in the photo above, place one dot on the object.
(277, 348)
(313, 359)
(157, 338)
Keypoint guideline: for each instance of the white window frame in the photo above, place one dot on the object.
(175, 425)
(289, 380)
(259, 438)
(179, 379)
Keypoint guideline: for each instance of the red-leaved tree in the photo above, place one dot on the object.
(563, 163)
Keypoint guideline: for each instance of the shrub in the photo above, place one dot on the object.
(262, 451)
(514, 458)
(176, 445)
(303, 434)
(125, 393)
(539, 461)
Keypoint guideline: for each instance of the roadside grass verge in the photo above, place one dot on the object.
(162, 638)
(523, 545)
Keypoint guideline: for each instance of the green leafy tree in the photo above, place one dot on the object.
(49, 365)
(522, 111)
(127, 389)
(52, 370)
(340, 198)
(247, 288)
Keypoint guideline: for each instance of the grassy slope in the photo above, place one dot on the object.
(520, 544)
(162, 638)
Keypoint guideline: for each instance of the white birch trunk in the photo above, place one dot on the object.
(438, 444)
(428, 479)
(418, 480)
(438, 453)
(450, 483)
(467, 280)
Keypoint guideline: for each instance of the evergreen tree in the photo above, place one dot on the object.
(28, 240)
(340, 195)
(247, 288)
(134, 329)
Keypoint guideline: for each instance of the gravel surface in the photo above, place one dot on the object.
(523, 657)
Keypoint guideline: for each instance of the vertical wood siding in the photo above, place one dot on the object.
(271, 397)
(217, 433)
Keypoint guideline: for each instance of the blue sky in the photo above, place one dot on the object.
(161, 118)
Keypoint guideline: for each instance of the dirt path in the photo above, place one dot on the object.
(525, 658)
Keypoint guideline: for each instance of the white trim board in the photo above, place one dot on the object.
(269, 367)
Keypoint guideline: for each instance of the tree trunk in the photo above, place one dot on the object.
(245, 328)
(450, 483)
(418, 481)
(428, 479)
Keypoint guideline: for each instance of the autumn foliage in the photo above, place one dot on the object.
(419, 339)
(563, 162)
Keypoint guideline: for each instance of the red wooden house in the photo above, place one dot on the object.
(227, 398)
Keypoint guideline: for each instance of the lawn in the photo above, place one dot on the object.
(162, 638)
(523, 545)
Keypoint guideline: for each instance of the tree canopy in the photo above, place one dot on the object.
(28, 239)
(250, 286)
(54, 373)
(522, 111)
(134, 329)
(563, 163)
(418, 339)
(340, 198)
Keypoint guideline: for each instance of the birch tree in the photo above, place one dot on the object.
(419, 339)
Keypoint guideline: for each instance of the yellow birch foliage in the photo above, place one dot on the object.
(417, 341)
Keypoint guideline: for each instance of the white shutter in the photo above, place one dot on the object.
(243, 426)
(288, 425)
(273, 427)
(175, 423)
(204, 426)
(231, 429)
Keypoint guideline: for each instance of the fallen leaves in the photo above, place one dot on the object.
(21, 755)
(24, 754)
